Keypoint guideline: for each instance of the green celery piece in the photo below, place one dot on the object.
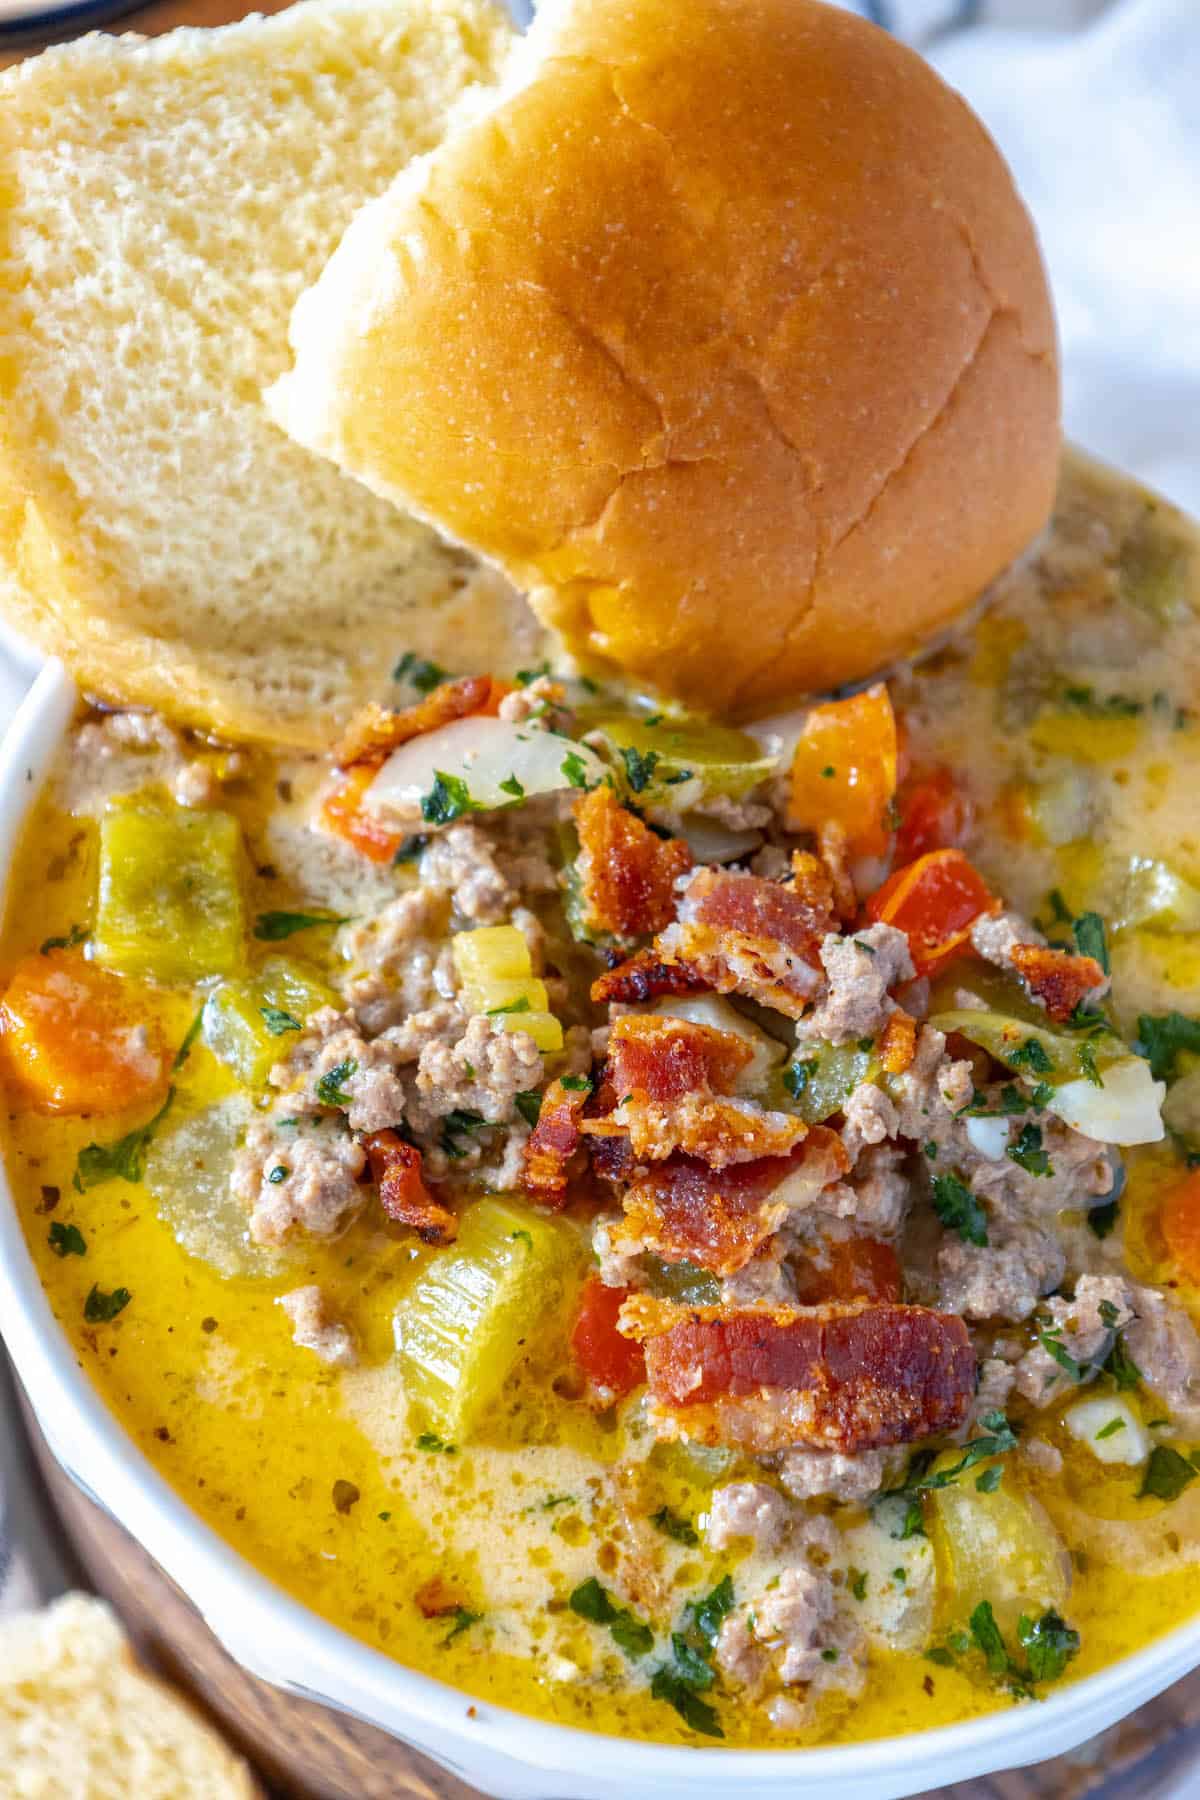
(1006, 1039)
(467, 1319)
(722, 759)
(235, 1028)
(824, 1089)
(170, 904)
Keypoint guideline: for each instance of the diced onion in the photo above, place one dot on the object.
(1110, 1428)
(989, 1137)
(1125, 1109)
(484, 754)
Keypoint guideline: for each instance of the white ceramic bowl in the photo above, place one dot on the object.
(501, 1752)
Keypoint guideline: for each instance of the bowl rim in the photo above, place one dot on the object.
(246, 1609)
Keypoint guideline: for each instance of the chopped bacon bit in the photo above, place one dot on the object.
(898, 1042)
(685, 1211)
(670, 1078)
(756, 937)
(935, 814)
(934, 901)
(666, 1058)
(1056, 977)
(554, 1143)
(614, 1365)
(343, 814)
(844, 1378)
(436, 1597)
(844, 770)
(851, 1268)
(645, 977)
(396, 1171)
(375, 731)
(627, 873)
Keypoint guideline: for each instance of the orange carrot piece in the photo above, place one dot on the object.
(72, 1038)
(844, 771)
(344, 815)
(1180, 1221)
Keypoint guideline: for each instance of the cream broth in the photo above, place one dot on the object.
(543, 1557)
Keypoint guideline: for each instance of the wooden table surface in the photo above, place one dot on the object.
(348, 1761)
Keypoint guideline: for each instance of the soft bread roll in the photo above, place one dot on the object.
(723, 331)
(79, 1720)
(161, 207)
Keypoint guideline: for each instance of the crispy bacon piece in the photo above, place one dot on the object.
(835, 859)
(898, 1042)
(935, 814)
(614, 1365)
(844, 1378)
(555, 1143)
(375, 731)
(849, 1268)
(437, 1597)
(343, 814)
(627, 873)
(645, 977)
(685, 1211)
(396, 1171)
(671, 1079)
(756, 937)
(1056, 977)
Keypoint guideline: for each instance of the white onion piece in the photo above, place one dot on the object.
(1110, 1428)
(483, 753)
(1124, 1109)
(711, 842)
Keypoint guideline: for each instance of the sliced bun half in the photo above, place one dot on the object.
(722, 330)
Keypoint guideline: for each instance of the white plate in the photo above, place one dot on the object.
(504, 1753)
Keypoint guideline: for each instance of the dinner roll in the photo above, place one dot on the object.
(722, 330)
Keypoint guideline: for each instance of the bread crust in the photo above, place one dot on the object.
(724, 333)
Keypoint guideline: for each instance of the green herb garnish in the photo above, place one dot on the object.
(1028, 1153)
(959, 1210)
(594, 1603)
(123, 1161)
(271, 927)
(529, 1105)
(448, 799)
(1160, 1039)
(330, 1091)
(66, 1240)
(78, 934)
(101, 1309)
(277, 1021)
(672, 1525)
(418, 672)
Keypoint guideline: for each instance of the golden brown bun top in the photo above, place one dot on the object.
(725, 334)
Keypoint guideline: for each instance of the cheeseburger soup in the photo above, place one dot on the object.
(683, 1231)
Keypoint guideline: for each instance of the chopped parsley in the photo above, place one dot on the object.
(1167, 1474)
(123, 1161)
(1160, 1039)
(670, 1682)
(1031, 1055)
(673, 1525)
(1050, 1339)
(526, 677)
(1049, 1643)
(510, 785)
(522, 1237)
(709, 1614)
(189, 1038)
(277, 1021)
(410, 848)
(418, 672)
(797, 1076)
(519, 1005)
(455, 1125)
(630, 1634)
(989, 1481)
(279, 1173)
(101, 1309)
(1110, 1430)
(575, 769)
(959, 1210)
(1121, 1366)
(856, 1581)
(78, 934)
(1009, 1102)
(1102, 706)
(463, 1621)
(66, 1240)
(1088, 932)
(1028, 1153)
(448, 799)
(689, 1674)
(639, 767)
(271, 927)
(330, 1091)
(432, 1442)
(1085, 1056)
(577, 1084)
(529, 1105)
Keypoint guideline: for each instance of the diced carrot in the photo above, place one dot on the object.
(934, 901)
(1180, 1221)
(844, 770)
(934, 815)
(612, 1363)
(72, 1039)
(344, 815)
(853, 1268)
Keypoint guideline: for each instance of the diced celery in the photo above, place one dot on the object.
(1154, 895)
(1030, 1049)
(170, 902)
(472, 1312)
(821, 1077)
(680, 760)
(496, 976)
(685, 1282)
(249, 1021)
(999, 1547)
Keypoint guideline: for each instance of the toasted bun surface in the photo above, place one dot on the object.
(79, 1720)
(723, 332)
(161, 207)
